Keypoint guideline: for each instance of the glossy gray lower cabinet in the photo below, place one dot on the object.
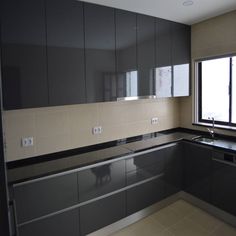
(46, 196)
(197, 170)
(173, 176)
(145, 166)
(102, 213)
(223, 189)
(101, 180)
(65, 224)
(144, 195)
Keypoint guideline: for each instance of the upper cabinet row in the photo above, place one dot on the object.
(59, 52)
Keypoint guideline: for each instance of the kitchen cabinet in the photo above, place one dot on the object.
(102, 213)
(126, 54)
(173, 176)
(145, 54)
(65, 52)
(197, 170)
(144, 195)
(223, 192)
(63, 224)
(100, 180)
(42, 197)
(99, 51)
(163, 70)
(23, 54)
(181, 36)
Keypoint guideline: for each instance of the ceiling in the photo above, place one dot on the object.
(173, 9)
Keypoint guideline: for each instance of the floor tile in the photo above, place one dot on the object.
(188, 228)
(224, 230)
(205, 220)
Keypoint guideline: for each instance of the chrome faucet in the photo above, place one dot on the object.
(212, 131)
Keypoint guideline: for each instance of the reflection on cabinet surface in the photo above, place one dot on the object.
(126, 54)
(145, 54)
(99, 51)
(65, 52)
(24, 68)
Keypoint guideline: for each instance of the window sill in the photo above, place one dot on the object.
(224, 127)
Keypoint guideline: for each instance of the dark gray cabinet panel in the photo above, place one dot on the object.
(101, 213)
(46, 196)
(145, 54)
(163, 58)
(197, 174)
(145, 166)
(23, 38)
(173, 176)
(100, 180)
(223, 192)
(99, 51)
(65, 224)
(126, 53)
(65, 52)
(144, 195)
(181, 37)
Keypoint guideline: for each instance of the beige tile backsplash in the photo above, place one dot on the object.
(67, 127)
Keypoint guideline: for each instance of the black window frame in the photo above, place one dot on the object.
(199, 69)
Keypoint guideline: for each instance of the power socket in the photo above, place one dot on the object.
(97, 130)
(154, 121)
(27, 142)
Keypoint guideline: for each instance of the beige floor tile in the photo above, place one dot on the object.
(224, 230)
(188, 228)
(183, 208)
(205, 220)
(167, 217)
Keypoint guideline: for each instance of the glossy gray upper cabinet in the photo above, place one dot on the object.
(146, 54)
(99, 52)
(23, 54)
(65, 51)
(163, 71)
(126, 53)
(181, 36)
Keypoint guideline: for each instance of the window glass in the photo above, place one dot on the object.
(215, 89)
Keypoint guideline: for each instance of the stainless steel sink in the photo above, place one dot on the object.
(204, 140)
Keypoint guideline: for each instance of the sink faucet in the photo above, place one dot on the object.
(212, 131)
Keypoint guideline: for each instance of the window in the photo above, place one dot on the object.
(217, 90)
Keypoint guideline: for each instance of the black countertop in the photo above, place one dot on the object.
(48, 167)
(68, 160)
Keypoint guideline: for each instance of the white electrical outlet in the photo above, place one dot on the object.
(154, 121)
(27, 142)
(97, 130)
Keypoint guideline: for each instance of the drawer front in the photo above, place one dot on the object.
(65, 224)
(146, 160)
(42, 197)
(101, 180)
(102, 213)
(144, 173)
(144, 195)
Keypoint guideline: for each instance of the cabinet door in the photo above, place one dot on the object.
(197, 175)
(146, 54)
(223, 183)
(145, 166)
(65, 51)
(64, 224)
(99, 51)
(180, 59)
(23, 37)
(102, 213)
(126, 53)
(42, 197)
(144, 195)
(173, 176)
(163, 69)
(100, 180)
